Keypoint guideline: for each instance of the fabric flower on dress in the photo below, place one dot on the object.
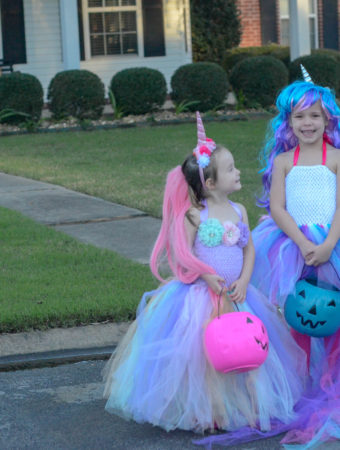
(210, 232)
(244, 234)
(231, 234)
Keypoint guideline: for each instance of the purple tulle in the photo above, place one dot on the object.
(318, 411)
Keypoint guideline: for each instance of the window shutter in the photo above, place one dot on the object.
(154, 43)
(81, 30)
(268, 21)
(13, 31)
(330, 24)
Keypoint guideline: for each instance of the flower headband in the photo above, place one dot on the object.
(204, 148)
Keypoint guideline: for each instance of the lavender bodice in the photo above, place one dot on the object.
(221, 245)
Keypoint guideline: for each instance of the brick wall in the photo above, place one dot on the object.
(250, 22)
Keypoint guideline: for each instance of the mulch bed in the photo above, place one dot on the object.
(162, 117)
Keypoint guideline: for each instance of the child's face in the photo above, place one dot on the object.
(228, 177)
(308, 125)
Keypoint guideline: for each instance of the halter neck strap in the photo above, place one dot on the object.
(324, 153)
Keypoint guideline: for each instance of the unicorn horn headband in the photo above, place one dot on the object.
(204, 148)
(306, 76)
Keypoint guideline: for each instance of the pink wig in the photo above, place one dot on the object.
(172, 239)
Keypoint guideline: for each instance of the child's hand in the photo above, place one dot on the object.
(215, 282)
(307, 249)
(237, 291)
(320, 255)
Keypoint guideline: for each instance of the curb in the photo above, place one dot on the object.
(54, 358)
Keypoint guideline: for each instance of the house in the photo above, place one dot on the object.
(266, 21)
(44, 37)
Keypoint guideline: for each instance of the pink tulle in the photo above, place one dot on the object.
(172, 239)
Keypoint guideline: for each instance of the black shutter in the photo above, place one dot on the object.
(81, 30)
(154, 43)
(268, 21)
(330, 24)
(13, 31)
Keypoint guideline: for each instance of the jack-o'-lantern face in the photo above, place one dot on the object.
(313, 310)
(237, 341)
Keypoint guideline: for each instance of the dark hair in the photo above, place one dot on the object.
(192, 176)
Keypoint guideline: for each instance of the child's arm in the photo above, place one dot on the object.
(239, 287)
(191, 223)
(323, 251)
(278, 208)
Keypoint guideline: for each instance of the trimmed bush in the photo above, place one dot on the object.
(235, 55)
(77, 93)
(23, 93)
(259, 79)
(323, 68)
(211, 37)
(206, 83)
(139, 90)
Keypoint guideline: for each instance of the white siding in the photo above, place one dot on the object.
(175, 54)
(44, 51)
(43, 43)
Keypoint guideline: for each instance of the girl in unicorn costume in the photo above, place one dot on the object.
(160, 373)
(300, 240)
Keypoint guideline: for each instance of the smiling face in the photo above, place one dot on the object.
(309, 124)
(227, 175)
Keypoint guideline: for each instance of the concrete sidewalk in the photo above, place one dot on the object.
(127, 231)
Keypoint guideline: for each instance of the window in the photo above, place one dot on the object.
(284, 23)
(112, 26)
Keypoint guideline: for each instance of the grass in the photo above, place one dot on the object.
(129, 166)
(49, 279)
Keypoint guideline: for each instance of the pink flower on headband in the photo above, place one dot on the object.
(204, 150)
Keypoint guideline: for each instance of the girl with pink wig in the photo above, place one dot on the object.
(159, 373)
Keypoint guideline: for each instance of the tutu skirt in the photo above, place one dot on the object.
(279, 263)
(278, 266)
(159, 373)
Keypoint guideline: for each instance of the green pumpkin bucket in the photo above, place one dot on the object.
(313, 310)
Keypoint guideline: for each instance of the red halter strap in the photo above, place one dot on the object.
(324, 154)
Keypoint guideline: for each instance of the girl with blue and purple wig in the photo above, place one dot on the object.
(160, 373)
(299, 239)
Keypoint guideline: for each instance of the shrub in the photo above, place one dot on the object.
(139, 90)
(235, 55)
(206, 83)
(322, 67)
(259, 79)
(77, 93)
(215, 27)
(23, 93)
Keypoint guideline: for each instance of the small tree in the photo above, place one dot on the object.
(216, 27)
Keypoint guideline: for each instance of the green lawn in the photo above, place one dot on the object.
(129, 166)
(48, 279)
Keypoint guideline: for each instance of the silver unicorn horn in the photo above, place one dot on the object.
(306, 75)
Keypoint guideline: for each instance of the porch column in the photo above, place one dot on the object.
(299, 28)
(69, 34)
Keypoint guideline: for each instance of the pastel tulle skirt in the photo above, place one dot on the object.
(279, 263)
(278, 266)
(159, 373)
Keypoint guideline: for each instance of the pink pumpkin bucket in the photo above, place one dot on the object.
(236, 342)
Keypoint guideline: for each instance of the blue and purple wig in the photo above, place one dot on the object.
(280, 138)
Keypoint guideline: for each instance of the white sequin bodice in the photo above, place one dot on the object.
(311, 194)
